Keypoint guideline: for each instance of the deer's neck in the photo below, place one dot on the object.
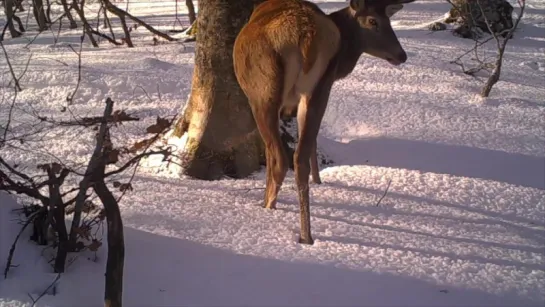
(351, 46)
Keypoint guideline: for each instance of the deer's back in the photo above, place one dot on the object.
(291, 26)
(288, 39)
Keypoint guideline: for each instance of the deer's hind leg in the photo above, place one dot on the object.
(314, 168)
(309, 118)
(277, 162)
(266, 102)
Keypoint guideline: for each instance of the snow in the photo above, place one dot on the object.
(463, 222)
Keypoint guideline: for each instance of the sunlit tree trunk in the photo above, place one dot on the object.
(222, 136)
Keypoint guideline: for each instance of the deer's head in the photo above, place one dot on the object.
(375, 30)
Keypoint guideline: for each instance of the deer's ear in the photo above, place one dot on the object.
(357, 5)
(392, 9)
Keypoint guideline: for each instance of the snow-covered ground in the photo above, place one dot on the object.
(463, 222)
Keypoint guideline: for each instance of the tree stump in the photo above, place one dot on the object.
(474, 17)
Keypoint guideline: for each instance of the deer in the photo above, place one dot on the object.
(287, 57)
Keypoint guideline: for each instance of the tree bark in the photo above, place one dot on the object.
(222, 136)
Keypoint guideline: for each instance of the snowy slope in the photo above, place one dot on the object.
(463, 222)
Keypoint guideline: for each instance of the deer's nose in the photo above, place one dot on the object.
(402, 57)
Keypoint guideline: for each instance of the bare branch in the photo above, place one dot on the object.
(501, 44)
(92, 166)
(8, 123)
(121, 14)
(70, 98)
(12, 249)
(136, 159)
(34, 301)
(17, 86)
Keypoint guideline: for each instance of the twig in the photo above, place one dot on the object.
(26, 67)
(70, 98)
(34, 301)
(122, 14)
(40, 32)
(145, 92)
(91, 121)
(34, 191)
(495, 76)
(17, 86)
(12, 249)
(111, 40)
(10, 114)
(136, 159)
(385, 192)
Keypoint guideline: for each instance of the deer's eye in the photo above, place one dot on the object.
(373, 22)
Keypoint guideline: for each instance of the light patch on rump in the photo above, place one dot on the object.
(299, 84)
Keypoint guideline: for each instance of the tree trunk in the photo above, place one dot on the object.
(19, 5)
(67, 8)
(86, 25)
(39, 14)
(222, 135)
(191, 11)
(48, 11)
(62, 233)
(495, 76)
(10, 18)
(113, 288)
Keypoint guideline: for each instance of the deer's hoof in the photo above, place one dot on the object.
(308, 241)
(269, 206)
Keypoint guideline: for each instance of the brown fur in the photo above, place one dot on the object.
(286, 59)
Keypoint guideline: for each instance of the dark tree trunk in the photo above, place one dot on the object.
(222, 135)
(67, 9)
(86, 25)
(11, 18)
(113, 292)
(19, 5)
(62, 233)
(191, 11)
(48, 11)
(495, 76)
(39, 14)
